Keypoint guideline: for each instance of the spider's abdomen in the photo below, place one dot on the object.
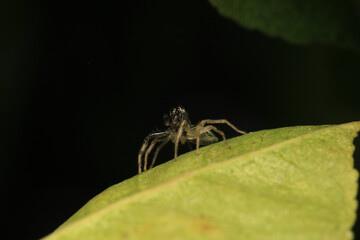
(208, 138)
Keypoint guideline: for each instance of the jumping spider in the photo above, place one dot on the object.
(180, 130)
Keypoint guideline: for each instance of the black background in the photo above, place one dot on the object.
(81, 85)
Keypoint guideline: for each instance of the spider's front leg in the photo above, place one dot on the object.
(157, 152)
(178, 137)
(200, 127)
(156, 140)
(145, 144)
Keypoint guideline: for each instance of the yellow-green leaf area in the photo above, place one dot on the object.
(286, 183)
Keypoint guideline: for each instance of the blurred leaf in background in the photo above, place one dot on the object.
(329, 22)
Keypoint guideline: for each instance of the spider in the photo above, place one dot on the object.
(180, 130)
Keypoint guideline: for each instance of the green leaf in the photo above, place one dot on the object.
(297, 21)
(286, 183)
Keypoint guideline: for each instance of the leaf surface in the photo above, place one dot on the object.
(286, 183)
(329, 22)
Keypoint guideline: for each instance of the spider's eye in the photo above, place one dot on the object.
(176, 116)
(185, 115)
(166, 120)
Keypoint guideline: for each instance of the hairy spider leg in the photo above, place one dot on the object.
(149, 149)
(179, 134)
(210, 121)
(157, 152)
(145, 144)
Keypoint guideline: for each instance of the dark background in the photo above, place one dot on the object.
(81, 85)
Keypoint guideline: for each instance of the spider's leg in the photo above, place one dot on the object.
(142, 149)
(157, 152)
(148, 150)
(197, 139)
(145, 144)
(222, 121)
(213, 128)
(177, 140)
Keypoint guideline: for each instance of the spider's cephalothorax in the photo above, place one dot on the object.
(175, 117)
(181, 131)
